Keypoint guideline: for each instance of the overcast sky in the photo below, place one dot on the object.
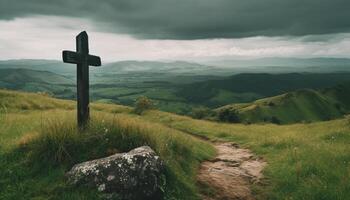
(176, 29)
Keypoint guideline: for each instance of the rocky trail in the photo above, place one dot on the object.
(230, 175)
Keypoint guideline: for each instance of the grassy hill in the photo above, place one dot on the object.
(36, 81)
(54, 66)
(304, 105)
(39, 143)
(18, 76)
(248, 87)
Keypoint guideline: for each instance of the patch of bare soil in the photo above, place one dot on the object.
(230, 174)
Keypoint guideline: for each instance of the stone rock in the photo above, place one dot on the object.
(133, 175)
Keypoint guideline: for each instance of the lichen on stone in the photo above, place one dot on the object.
(132, 175)
(101, 187)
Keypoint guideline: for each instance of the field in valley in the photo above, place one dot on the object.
(176, 87)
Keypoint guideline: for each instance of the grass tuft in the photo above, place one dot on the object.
(59, 144)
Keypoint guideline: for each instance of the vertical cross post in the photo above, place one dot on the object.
(82, 46)
(83, 60)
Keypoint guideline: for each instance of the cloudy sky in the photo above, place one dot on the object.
(176, 29)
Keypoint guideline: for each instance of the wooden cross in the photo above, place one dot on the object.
(83, 60)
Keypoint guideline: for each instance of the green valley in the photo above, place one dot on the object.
(177, 87)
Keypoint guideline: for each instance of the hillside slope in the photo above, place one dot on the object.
(39, 142)
(21, 76)
(249, 87)
(36, 81)
(304, 105)
(54, 66)
(305, 161)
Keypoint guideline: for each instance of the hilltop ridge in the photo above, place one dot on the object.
(304, 105)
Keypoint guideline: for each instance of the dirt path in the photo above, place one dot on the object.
(230, 174)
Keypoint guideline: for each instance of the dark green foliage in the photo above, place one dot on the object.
(142, 104)
(226, 115)
(275, 120)
(262, 85)
(271, 104)
(202, 113)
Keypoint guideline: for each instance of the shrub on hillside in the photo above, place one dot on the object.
(338, 107)
(227, 115)
(142, 104)
(275, 120)
(201, 113)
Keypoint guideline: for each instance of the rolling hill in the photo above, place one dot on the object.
(25, 76)
(221, 67)
(36, 81)
(248, 87)
(53, 66)
(120, 67)
(176, 67)
(174, 86)
(305, 105)
(286, 65)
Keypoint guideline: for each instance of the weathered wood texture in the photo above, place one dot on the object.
(83, 61)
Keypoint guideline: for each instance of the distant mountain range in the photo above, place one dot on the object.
(221, 68)
(17, 76)
(179, 67)
(39, 65)
(282, 65)
(287, 62)
(121, 67)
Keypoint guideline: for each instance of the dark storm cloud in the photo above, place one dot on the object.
(196, 19)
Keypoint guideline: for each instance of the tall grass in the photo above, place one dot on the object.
(305, 161)
(58, 144)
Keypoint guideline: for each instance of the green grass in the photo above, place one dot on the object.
(305, 161)
(224, 97)
(39, 146)
(116, 92)
(293, 107)
(21, 101)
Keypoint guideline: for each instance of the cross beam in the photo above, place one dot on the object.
(82, 58)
